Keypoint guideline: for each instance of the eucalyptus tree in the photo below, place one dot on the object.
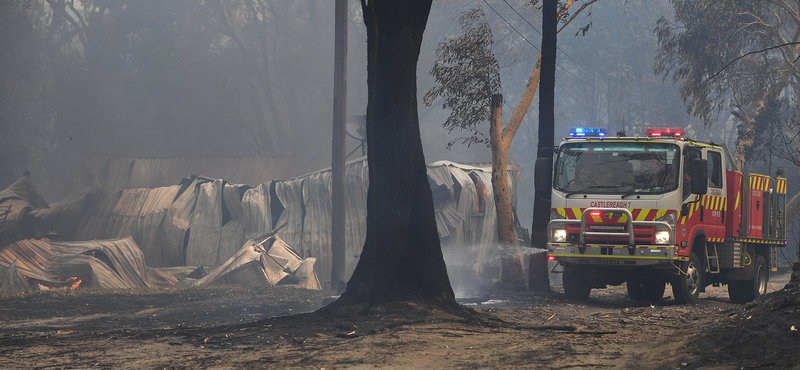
(468, 75)
(697, 50)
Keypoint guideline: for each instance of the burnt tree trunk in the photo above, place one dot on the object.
(402, 258)
(537, 275)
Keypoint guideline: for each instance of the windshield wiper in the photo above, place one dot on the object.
(589, 189)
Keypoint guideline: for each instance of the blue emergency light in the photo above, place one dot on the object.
(587, 132)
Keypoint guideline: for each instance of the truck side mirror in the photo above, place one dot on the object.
(699, 176)
(543, 173)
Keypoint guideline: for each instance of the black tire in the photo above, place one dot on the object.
(646, 290)
(748, 290)
(577, 284)
(687, 285)
(736, 291)
(635, 290)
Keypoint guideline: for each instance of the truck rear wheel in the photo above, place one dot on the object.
(577, 284)
(646, 290)
(748, 290)
(687, 285)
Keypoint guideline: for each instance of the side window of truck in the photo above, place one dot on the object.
(689, 155)
(714, 169)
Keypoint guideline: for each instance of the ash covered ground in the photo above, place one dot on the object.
(233, 327)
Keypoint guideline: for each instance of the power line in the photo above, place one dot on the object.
(557, 47)
(607, 93)
(509, 24)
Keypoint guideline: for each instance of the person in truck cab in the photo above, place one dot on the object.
(690, 156)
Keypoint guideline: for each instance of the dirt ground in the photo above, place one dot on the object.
(233, 327)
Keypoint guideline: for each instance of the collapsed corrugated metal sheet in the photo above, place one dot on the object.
(266, 262)
(16, 201)
(212, 238)
(290, 196)
(116, 173)
(204, 221)
(256, 211)
(176, 226)
(12, 279)
(356, 185)
(317, 221)
(117, 263)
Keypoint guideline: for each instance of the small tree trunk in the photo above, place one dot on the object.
(511, 273)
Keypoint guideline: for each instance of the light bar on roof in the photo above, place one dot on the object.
(665, 131)
(587, 132)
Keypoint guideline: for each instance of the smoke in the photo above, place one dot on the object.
(475, 269)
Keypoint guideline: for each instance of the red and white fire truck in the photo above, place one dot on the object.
(660, 209)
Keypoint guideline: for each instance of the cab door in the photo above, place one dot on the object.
(714, 203)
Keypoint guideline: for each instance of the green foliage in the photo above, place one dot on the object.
(708, 35)
(468, 74)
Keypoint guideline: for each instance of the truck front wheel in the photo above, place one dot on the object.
(748, 290)
(577, 285)
(687, 285)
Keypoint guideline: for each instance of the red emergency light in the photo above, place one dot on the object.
(665, 131)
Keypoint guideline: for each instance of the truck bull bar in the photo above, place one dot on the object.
(630, 228)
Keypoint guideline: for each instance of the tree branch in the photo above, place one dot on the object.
(750, 53)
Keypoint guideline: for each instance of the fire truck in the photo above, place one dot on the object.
(658, 209)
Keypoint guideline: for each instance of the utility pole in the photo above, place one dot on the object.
(338, 147)
(538, 280)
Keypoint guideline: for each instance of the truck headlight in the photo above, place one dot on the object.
(664, 234)
(559, 235)
(557, 232)
(662, 237)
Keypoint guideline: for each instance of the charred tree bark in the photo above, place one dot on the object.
(537, 276)
(402, 257)
(511, 274)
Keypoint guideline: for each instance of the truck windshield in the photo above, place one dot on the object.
(614, 168)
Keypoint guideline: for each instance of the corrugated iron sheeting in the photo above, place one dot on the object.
(94, 223)
(176, 226)
(16, 201)
(117, 263)
(356, 185)
(290, 194)
(140, 213)
(204, 235)
(233, 201)
(317, 223)
(256, 212)
(467, 207)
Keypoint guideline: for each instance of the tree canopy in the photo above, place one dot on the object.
(697, 48)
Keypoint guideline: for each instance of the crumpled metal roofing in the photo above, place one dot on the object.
(117, 263)
(17, 200)
(266, 262)
(204, 221)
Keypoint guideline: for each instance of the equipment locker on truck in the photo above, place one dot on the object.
(661, 209)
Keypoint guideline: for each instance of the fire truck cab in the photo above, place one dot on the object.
(658, 209)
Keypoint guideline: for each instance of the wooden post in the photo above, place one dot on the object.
(338, 169)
